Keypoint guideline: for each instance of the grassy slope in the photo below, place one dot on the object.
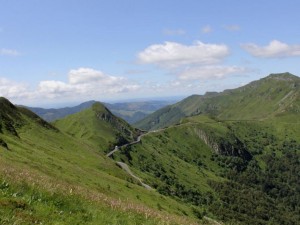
(176, 167)
(275, 95)
(42, 161)
(98, 127)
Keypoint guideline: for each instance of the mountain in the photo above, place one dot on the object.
(277, 95)
(241, 171)
(129, 111)
(235, 161)
(135, 111)
(54, 114)
(98, 127)
(50, 177)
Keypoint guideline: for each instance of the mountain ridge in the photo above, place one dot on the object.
(271, 96)
(235, 164)
(129, 111)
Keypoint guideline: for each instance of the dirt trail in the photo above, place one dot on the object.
(125, 167)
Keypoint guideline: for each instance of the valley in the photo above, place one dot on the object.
(221, 158)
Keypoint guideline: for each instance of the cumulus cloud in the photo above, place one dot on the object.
(174, 32)
(188, 63)
(275, 49)
(209, 72)
(85, 75)
(11, 89)
(9, 52)
(172, 54)
(83, 83)
(207, 29)
(87, 82)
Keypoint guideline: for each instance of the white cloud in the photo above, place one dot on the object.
(232, 27)
(83, 83)
(172, 54)
(275, 49)
(11, 89)
(210, 72)
(9, 52)
(86, 82)
(207, 29)
(87, 75)
(174, 32)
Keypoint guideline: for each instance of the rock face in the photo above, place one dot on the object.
(10, 118)
(115, 122)
(230, 146)
(125, 133)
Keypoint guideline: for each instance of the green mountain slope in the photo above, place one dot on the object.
(49, 177)
(98, 127)
(277, 95)
(241, 172)
(236, 160)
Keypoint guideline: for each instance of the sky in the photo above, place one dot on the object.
(60, 52)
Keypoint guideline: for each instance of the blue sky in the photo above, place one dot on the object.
(64, 51)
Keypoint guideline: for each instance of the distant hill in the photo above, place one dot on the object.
(275, 95)
(129, 111)
(54, 114)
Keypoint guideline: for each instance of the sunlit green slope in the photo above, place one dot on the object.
(49, 177)
(277, 95)
(98, 127)
(239, 172)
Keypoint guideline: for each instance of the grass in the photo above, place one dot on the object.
(63, 176)
(277, 95)
(181, 159)
(97, 127)
(43, 161)
(21, 203)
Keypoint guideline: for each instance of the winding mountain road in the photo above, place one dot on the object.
(138, 140)
(124, 166)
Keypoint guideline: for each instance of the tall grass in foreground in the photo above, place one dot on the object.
(26, 198)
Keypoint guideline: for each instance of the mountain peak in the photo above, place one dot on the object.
(8, 110)
(283, 76)
(6, 104)
(99, 107)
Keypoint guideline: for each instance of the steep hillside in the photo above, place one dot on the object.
(49, 177)
(97, 126)
(277, 95)
(241, 172)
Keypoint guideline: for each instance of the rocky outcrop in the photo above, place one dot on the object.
(115, 122)
(228, 146)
